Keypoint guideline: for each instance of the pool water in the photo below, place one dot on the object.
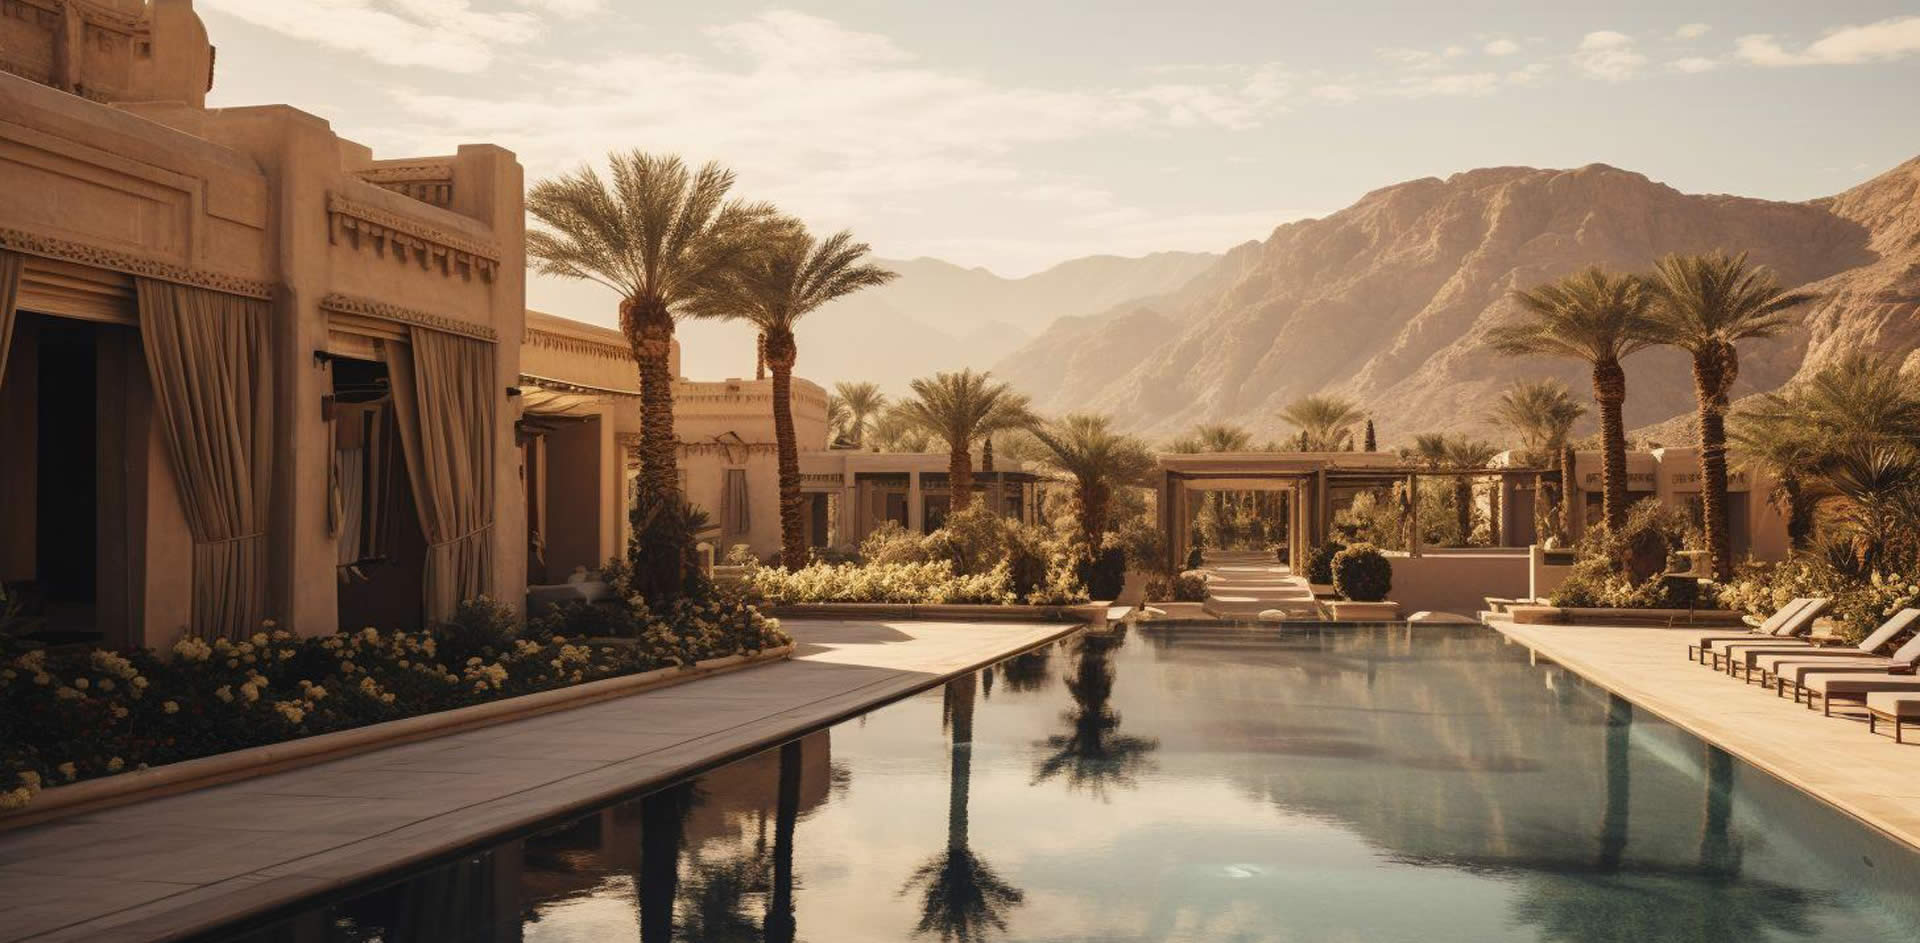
(1193, 783)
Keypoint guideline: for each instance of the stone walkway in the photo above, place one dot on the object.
(172, 866)
(1242, 584)
(1834, 758)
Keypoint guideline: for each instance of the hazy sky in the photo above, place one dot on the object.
(1018, 133)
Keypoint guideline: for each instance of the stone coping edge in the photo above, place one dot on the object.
(1092, 613)
(1574, 615)
(250, 762)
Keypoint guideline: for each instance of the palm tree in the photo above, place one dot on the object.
(959, 409)
(1429, 450)
(1780, 443)
(790, 277)
(1597, 318)
(839, 418)
(864, 402)
(961, 897)
(1463, 454)
(893, 431)
(1093, 754)
(1705, 304)
(1084, 449)
(1325, 422)
(1222, 437)
(658, 235)
(1541, 413)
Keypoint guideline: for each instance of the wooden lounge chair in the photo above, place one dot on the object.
(1744, 660)
(1898, 708)
(1783, 628)
(1790, 672)
(1831, 687)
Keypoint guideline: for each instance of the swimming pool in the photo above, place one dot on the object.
(1192, 782)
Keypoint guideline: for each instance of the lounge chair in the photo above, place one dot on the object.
(1790, 674)
(1744, 660)
(1782, 629)
(1835, 686)
(1699, 649)
(1896, 707)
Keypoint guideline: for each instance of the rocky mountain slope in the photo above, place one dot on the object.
(1389, 300)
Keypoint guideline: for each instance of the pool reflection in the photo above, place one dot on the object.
(1207, 783)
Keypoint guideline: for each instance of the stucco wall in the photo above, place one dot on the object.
(1457, 580)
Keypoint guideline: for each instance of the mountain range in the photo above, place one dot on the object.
(1388, 301)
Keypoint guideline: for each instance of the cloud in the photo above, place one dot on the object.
(449, 35)
(1691, 31)
(1501, 47)
(1694, 64)
(1335, 92)
(1849, 45)
(1459, 83)
(1608, 56)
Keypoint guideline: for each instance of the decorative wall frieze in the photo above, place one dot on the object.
(380, 310)
(570, 344)
(568, 386)
(80, 253)
(406, 240)
(430, 182)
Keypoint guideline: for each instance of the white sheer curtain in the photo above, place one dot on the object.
(445, 399)
(210, 359)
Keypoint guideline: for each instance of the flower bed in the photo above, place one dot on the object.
(931, 583)
(70, 715)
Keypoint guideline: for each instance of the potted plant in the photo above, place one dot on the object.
(1362, 576)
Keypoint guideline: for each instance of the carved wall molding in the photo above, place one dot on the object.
(430, 182)
(351, 222)
(570, 344)
(81, 253)
(380, 310)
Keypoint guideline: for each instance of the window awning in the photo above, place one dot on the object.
(545, 396)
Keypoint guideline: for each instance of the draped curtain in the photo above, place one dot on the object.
(734, 517)
(10, 265)
(444, 404)
(209, 355)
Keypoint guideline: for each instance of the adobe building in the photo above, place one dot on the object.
(250, 370)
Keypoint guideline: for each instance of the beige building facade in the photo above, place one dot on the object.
(250, 370)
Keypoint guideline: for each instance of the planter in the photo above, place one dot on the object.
(1349, 611)
(1537, 615)
(121, 788)
(1322, 590)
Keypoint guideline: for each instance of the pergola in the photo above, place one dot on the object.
(1314, 483)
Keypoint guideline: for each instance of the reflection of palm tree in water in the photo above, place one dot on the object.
(1092, 753)
(1026, 671)
(780, 925)
(1704, 902)
(663, 828)
(961, 897)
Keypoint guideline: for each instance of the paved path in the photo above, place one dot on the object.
(1865, 775)
(168, 867)
(1242, 584)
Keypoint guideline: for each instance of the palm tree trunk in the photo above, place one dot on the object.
(662, 833)
(1093, 512)
(781, 354)
(959, 478)
(1463, 508)
(760, 357)
(960, 693)
(1568, 484)
(1710, 386)
(1610, 393)
(648, 326)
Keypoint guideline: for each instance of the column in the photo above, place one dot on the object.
(916, 508)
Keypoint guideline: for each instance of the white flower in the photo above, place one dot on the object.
(116, 764)
(169, 707)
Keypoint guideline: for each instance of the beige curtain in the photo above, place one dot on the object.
(734, 513)
(210, 358)
(444, 396)
(10, 265)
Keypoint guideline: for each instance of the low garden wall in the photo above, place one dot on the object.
(1458, 581)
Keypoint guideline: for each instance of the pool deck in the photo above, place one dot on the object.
(170, 867)
(1833, 758)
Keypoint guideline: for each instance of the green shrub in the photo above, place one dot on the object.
(1320, 562)
(890, 543)
(1622, 569)
(479, 628)
(932, 583)
(1181, 587)
(1103, 572)
(1361, 573)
